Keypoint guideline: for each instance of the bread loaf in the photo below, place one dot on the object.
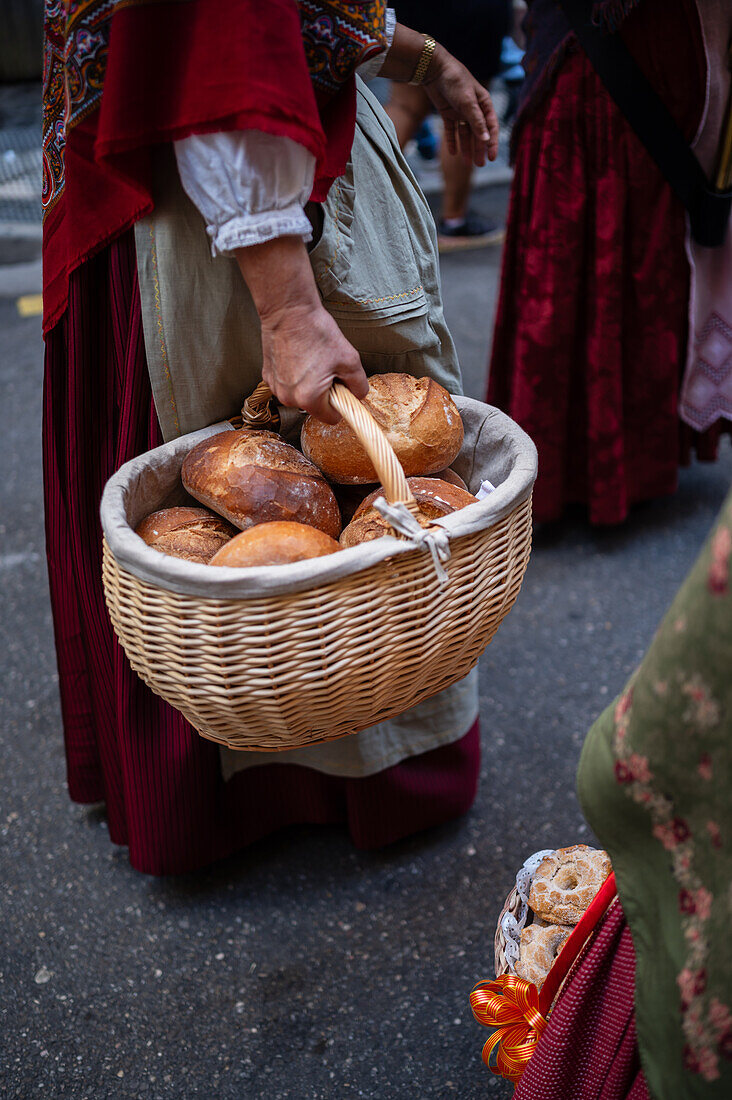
(450, 476)
(418, 416)
(194, 534)
(275, 544)
(539, 946)
(350, 498)
(435, 499)
(255, 477)
(566, 882)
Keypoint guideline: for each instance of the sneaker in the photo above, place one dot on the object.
(474, 232)
(426, 139)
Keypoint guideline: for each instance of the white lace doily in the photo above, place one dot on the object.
(511, 925)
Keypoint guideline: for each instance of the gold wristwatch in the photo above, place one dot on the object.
(424, 60)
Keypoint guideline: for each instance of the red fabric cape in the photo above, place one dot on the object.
(174, 69)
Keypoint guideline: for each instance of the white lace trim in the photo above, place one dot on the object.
(374, 65)
(510, 925)
(248, 229)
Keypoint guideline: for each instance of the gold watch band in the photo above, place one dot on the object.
(424, 60)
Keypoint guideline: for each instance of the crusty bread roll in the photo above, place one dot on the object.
(350, 498)
(435, 499)
(539, 946)
(255, 477)
(420, 419)
(194, 534)
(275, 544)
(566, 882)
(450, 476)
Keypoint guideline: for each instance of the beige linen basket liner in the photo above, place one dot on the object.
(281, 657)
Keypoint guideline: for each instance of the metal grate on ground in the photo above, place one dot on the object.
(20, 177)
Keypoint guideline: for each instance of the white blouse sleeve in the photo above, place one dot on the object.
(372, 67)
(249, 186)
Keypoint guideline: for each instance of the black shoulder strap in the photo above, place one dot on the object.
(647, 114)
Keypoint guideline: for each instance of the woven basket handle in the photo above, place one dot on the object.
(255, 414)
(375, 443)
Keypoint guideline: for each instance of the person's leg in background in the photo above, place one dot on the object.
(456, 194)
(457, 225)
(407, 107)
(473, 31)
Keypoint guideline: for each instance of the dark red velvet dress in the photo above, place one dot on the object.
(590, 336)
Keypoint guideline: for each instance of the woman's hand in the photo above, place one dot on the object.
(303, 350)
(471, 125)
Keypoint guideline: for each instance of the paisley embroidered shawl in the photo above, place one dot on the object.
(123, 75)
(655, 783)
(338, 37)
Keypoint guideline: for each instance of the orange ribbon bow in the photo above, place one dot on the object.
(516, 1009)
(511, 1006)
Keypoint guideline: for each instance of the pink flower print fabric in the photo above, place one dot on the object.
(668, 739)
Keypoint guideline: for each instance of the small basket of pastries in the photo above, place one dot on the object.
(281, 590)
(544, 928)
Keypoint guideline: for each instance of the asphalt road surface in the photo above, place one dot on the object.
(302, 968)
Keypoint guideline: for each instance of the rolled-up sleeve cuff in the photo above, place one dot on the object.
(374, 65)
(245, 230)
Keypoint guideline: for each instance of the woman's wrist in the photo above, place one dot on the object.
(279, 277)
(404, 55)
(436, 65)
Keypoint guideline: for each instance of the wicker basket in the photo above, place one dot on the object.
(293, 655)
(512, 906)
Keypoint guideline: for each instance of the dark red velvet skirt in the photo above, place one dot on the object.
(591, 329)
(589, 1049)
(161, 782)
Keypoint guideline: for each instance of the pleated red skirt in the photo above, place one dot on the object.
(590, 337)
(161, 782)
(589, 1050)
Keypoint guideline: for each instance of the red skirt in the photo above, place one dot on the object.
(590, 338)
(589, 1049)
(161, 782)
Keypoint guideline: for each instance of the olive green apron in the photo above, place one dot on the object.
(376, 266)
(375, 263)
(654, 782)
